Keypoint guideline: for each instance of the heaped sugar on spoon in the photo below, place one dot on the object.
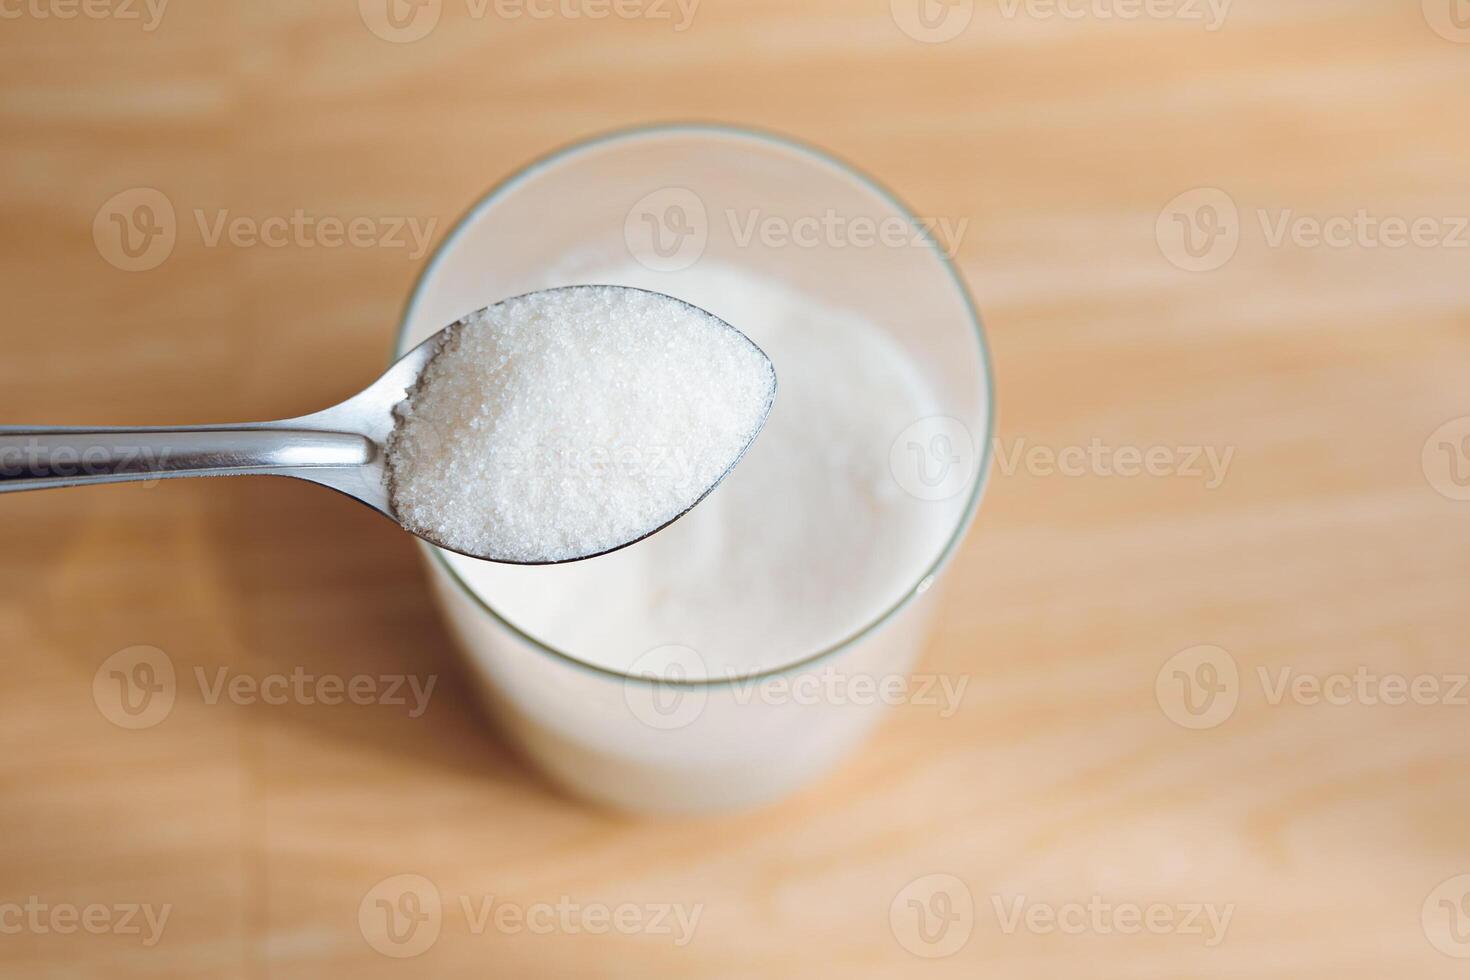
(552, 427)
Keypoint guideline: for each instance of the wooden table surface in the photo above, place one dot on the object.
(1216, 717)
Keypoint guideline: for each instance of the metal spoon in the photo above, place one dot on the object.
(342, 447)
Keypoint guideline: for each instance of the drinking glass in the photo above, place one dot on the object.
(670, 198)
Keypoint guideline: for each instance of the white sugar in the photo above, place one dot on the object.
(572, 421)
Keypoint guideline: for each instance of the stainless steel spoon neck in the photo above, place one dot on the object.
(342, 447)
(34, 458)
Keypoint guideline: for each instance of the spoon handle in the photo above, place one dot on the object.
(42, 457)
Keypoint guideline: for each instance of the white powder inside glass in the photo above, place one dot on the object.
(806, 541)
(570, 422)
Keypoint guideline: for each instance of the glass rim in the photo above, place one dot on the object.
(567, 151)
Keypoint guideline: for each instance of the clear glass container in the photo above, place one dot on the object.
(670, 198)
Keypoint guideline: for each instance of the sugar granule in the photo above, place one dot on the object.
(569, 422)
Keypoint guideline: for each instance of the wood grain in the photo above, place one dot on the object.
(1326, 548)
